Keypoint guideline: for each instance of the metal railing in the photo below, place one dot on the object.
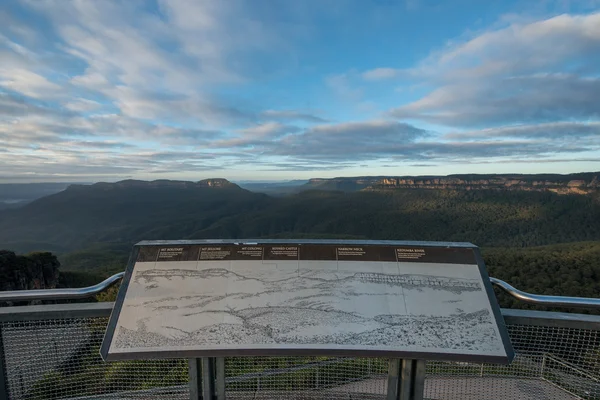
(52, 352)
(544, 300)
(60, 294)
(79, 293)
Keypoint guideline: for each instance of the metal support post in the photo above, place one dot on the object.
(220, 378)
(208, 378)
(3, 373)
(419, 380)
(393, 379)
(406, 379)
(543, 366)
(195, 378)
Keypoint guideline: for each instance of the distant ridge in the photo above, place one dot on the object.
(127, 211)
(520, 211)
(579, 183)
(160, 183)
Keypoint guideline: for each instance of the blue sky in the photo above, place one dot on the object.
(277, 89)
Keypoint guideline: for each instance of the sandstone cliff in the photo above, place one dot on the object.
(33, 271)
(560, 186)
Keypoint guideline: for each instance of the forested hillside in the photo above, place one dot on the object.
(569, 269)
(32, 271)
(124, 213)
(121, 213)
(92, 228)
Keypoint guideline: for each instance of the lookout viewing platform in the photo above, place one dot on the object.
(52, 352)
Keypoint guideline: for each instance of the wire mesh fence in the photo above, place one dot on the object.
(59, 359)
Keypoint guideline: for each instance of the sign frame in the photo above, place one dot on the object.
(424, 355)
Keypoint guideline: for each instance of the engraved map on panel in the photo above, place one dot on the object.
(252, 297)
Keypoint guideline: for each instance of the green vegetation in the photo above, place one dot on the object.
(38, 270)
(110, 219)
(105, 259)
(538, 241)
(569, 269)
(85, 374)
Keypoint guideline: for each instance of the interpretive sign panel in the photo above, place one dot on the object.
(420, 300)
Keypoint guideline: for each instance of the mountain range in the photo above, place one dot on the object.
(582, 183)
(486, 210)
(14, 195)
(541, 233)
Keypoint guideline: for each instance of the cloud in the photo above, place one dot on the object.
(348, 141)
(28, 83)
(162, 63)
(512, 100)
(291, 115)
(14, 106)
(566, 42)
(101, 161)
(107, 144)
(554, 130)
(544, 161)
(113, 88)
(82, 105)
(25, 125)
(380, 140)
(543, 71)
(259, 135)
(302, 166)
(269, 129)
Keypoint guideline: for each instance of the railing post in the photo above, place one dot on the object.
(3, 373)
(406, 380)
(220, 378)
(543, 366)
(393, 379)
(418, 382)
(208, 378)
(195, 378)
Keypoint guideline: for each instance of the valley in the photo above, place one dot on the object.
(528, 235)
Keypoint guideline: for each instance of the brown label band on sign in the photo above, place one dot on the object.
(410, 253)
(190, 253)
(215, 253)
(316, 252)
(172, 253)
(281, 252)
(248, 253)
(147, 254)
(177, 253)
(366, 253)
(436, 255)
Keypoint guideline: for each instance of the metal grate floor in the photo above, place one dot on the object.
(471, 388)
(454, 388)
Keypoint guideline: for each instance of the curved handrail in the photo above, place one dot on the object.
(545, 300)
(81, 293)
(60, 294)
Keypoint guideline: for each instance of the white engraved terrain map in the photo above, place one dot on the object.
(238, 297)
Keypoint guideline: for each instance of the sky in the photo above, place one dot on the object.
(278, 89)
